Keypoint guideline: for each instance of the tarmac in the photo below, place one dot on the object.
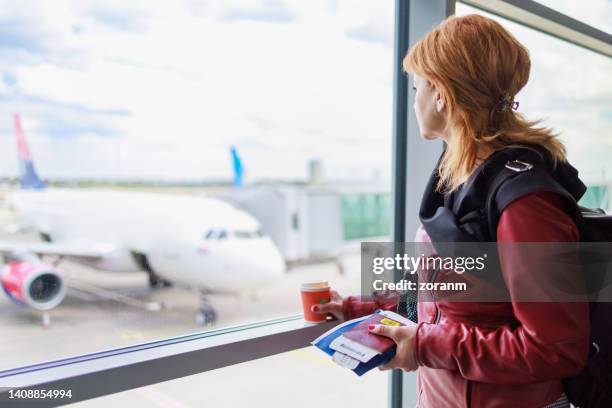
(107, 310)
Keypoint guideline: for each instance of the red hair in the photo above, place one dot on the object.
(473, 61)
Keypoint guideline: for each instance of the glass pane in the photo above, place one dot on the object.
(170, 151)
(571, 89)
(365, 215)
(300, 379)
(596, 13)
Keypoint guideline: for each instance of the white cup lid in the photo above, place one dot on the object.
(315, 285)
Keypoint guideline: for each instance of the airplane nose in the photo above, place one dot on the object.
(265, 261)
(270, 261)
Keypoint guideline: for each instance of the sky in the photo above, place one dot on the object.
(147, 89)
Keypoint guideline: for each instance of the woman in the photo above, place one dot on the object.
(513, 354)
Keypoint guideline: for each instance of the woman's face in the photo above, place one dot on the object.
(430, 109)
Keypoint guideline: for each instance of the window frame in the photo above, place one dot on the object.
(115, 370)
(548, 21)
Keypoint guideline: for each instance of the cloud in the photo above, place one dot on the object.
(364, 23)
(188, 84)
(15, 35)
(371, 34)
(8, 79)
(150, 88)
(269, 11)
(119, 20)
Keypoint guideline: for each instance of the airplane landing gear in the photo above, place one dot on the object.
(154, 280)
(46, 319)
(157, 282)
(206, 316)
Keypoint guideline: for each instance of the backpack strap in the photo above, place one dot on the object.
(515, 180)
(505, 176)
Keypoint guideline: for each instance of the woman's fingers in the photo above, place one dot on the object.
(323, 308)
(403, 336)
(333, 308)
(389, 365)
(384, 330)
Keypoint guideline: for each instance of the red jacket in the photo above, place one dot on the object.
(510, 354)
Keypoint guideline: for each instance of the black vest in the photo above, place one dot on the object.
(471, 213)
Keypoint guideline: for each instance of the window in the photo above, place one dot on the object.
(597, 13)
(243, 234)
(365, 215)
(161, 129)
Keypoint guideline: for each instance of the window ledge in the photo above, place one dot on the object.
(117, 370)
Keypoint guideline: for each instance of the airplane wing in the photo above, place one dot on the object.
(51, 248)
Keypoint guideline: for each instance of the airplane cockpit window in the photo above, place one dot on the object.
(215, 234)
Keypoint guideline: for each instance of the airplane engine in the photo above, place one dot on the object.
(35, 284)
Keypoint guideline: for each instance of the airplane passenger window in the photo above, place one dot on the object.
(242, 234)
(147, 131)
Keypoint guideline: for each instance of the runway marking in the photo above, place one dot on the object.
(132, 336)
(311, 355)
(159, 398)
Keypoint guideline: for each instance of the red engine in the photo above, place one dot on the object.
(37, 285)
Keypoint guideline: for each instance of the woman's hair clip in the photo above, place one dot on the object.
(507, 102)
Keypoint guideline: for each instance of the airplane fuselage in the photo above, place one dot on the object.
(196, 241)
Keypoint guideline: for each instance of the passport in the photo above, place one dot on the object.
(350, 352)
(361, 334)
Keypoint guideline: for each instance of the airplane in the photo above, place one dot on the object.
(200, 242)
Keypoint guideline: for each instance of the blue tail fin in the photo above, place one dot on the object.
(27, 173)
(238, 169)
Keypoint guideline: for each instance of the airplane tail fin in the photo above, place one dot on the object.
(27, 173)
(238, 169)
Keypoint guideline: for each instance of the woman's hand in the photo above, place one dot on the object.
(333, 307)
(403, 336)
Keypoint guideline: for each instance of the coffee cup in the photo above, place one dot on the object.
(314, 293)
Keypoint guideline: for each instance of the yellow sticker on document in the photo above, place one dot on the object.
(389, 322)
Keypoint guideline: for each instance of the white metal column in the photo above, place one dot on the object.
(413, 157)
